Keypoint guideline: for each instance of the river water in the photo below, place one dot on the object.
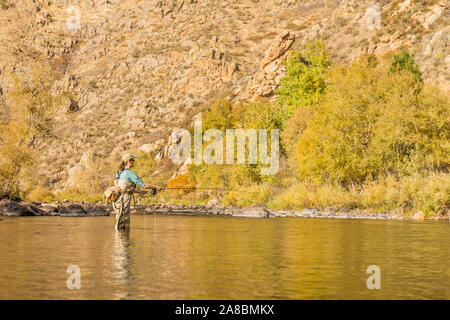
(185, 257)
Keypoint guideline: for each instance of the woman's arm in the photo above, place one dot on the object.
(134, 177)
(147, 186)
(152, 186)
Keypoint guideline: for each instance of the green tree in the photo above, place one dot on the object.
(405, 61)
(304, 83)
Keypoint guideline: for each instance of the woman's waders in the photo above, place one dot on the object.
(122, 205)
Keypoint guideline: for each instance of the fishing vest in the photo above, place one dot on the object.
(124, 185)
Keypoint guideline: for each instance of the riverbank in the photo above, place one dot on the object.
(70, 209)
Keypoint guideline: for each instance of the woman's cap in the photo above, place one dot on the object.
(127, 157)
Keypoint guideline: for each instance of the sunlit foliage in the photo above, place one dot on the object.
(31, 117)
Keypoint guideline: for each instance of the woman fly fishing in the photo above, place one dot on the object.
(127, 181)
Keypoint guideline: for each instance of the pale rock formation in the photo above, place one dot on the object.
(429, 17)
(270, 72)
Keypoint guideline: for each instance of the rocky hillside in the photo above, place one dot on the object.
(132, 71)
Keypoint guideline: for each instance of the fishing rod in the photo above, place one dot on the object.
(194, 188)
(220, 189)
(210, 189)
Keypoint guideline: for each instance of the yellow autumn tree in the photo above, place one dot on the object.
(31, 111)
(372, 124)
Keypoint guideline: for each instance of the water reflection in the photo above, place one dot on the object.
(121, 263)
(174, 257)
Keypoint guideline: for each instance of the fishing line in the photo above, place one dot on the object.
(215, 189)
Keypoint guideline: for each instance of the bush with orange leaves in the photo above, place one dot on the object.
(180, 181)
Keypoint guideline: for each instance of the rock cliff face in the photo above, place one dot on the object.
(132, 71)
(267, 79)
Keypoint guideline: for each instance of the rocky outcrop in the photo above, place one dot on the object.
(427, 18)
(271, 70)
(15, 209)
(136, 115)
(20, 209)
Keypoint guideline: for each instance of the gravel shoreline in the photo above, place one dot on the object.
(69, 209)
